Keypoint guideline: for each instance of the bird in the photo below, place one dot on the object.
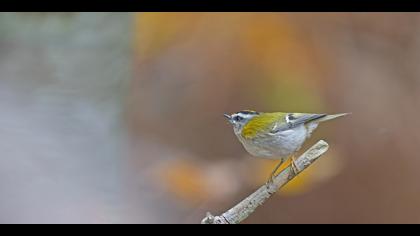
(275, 135)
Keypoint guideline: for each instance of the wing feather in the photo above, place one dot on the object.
(292, 120)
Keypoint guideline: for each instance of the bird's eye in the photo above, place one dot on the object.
(238, 118)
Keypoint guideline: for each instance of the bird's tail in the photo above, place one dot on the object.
(330, 117)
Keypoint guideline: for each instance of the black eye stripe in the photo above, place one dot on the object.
(238, 118)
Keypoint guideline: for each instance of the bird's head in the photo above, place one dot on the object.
(239, 119)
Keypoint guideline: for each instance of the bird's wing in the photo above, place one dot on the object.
(292, 120)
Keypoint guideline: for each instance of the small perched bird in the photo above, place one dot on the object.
(275, 135)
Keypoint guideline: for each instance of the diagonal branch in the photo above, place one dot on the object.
(247, 206)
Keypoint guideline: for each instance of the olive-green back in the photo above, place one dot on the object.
(261, 124)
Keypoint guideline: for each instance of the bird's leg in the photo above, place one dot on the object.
(293, 165)
(270, 179)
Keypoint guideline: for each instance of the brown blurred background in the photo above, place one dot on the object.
(117, 117)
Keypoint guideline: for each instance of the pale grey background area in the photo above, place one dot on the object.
(63, 78)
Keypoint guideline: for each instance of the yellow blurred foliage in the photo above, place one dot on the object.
(289, 93)
(156, 31)
(269, 47)
(195, 183)
(269, 41)
(272, 41)
(185, 180)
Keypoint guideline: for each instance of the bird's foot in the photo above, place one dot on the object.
(295, 169)
(273, 173)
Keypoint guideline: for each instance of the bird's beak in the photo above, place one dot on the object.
(228, 117)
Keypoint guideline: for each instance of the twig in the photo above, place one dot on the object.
(247, 206)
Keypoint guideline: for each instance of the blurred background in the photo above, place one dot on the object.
(117, 117)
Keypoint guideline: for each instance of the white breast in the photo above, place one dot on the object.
(279, 145)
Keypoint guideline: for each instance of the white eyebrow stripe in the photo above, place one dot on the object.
(245, 116)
